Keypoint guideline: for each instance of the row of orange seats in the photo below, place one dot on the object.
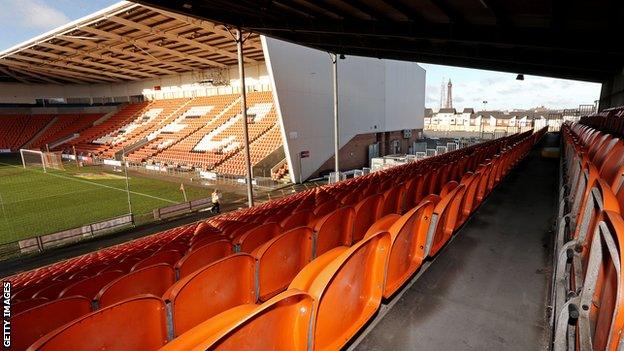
(64, 126)
(246, 259)
(588, 280)
(17, 130)
(609, 121)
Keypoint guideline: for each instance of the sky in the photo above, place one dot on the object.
(21, 20)
(503, 92)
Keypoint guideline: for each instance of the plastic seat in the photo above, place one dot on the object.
(52, 291)
(22, 306)
(89, 287)
(355, 276)
(257, 236)
(445, 216)
(367, 212)
(599, 304)
(224, 284)
(167, 257)
(202, 256)
(279, 260)
(28, 326)
(254, 327)
(298, 219)
(153, 280)
(333, 230)
(469, 202)
(393, 200)
(326, 208)
(138, 324)
(408, 235)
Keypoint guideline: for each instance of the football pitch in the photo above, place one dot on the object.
(35, 203)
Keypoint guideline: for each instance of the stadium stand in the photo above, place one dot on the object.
(305, 263)
(84, 143)
(588, 280)
(64, 126)
(200, 132)
(17, 130)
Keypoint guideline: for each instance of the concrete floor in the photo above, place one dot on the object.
(487, 289)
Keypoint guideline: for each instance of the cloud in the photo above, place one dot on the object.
(507, 93)
(31, 14)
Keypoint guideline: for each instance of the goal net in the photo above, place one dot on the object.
(39, 159)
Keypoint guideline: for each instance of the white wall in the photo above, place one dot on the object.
(256, 74)
(374, 96)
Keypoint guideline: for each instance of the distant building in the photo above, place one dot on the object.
(449, 119)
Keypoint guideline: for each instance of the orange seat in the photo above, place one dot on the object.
(445, 216)
(333, 230)
(350, 287)
(169, 257)
(599, 304)
(137, 324)
(297, 219)
(279, 260)
(89, 287)
(257, 236)
(25, 305)
(393, 200)
(28, 326)
(280, 324)
(367, 212)
(153, 280)
(202, 256)
(408, 237)
(211, 290)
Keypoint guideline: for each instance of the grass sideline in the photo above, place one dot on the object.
(35, 203)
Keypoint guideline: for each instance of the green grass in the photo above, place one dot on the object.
(35, 203)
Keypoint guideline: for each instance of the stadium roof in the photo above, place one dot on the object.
(568, 39)
(124, 42)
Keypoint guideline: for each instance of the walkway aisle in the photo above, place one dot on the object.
(487, 289)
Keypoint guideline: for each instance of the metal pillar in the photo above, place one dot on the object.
(125, 165)
(241, 75)
(334, 58)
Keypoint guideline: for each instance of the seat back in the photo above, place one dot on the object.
(393, 200)
(367, 212)
(335, 229)
(221, 285)
(28, 326)
(409, 237)
(280, 324)
(257, 236)
(203, 256)
(600, 304)
(445, 219)
(297, 219)
(138, 324)
(355, 276)
(153, 280)
(169, 257)
(279, 260)
(89, 287)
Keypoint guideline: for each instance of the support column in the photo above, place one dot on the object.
(334, 58)
(241, 75)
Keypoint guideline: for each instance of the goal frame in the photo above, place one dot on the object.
(41, 156)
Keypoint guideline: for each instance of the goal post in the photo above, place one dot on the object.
(40, 159)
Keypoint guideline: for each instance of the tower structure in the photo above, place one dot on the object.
(449, 95)
(442, 94)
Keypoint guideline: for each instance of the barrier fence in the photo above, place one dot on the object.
(48, 241)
